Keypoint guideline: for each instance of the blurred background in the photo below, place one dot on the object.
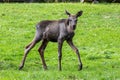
(51, 1)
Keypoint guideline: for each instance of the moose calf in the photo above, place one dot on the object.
(55, 31)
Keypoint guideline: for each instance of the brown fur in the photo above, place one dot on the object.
(55, 31)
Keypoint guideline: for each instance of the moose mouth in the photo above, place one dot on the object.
(74, 27)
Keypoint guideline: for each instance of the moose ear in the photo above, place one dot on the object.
(79, 14)
(67, 12)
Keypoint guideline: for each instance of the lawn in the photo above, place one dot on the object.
(97, 38)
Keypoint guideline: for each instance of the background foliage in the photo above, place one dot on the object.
(51, 1)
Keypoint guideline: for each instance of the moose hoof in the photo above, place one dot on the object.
(80, 67)
(60, 69)
(20, 67)
(45, 68)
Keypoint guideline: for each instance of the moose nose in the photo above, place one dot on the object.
(74, 27)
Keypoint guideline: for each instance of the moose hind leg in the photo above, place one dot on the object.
(27, 49)
(28, 45)
(41, 52)
(26, 53)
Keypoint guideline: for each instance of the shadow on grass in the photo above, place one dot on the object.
(5, 65)
(102, 55)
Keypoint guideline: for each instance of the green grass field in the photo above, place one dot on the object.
(97, 38)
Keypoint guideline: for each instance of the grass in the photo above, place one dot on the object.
(97, 38)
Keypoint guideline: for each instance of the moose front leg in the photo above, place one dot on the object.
(60, 43)
(77, 52)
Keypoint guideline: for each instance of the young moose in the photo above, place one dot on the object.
(55, 31)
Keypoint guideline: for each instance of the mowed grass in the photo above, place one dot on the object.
(97, 38)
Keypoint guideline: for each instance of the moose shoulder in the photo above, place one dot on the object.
(55, 31)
